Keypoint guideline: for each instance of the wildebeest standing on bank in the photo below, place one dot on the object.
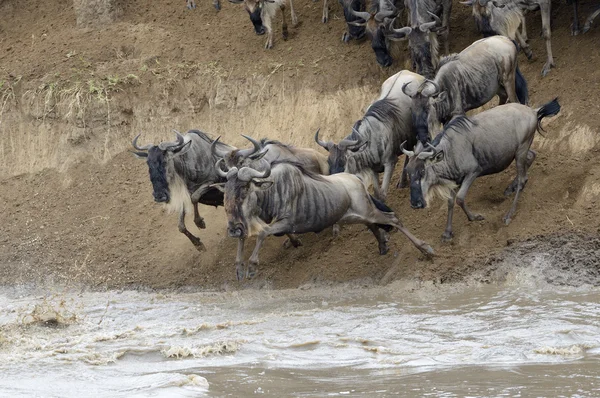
(262, 12)
(466, 81)
(374, 144)
(295, 201)
(466, 149)
(182, 173)
(424, 27)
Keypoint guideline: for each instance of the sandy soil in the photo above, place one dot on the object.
(75, 207)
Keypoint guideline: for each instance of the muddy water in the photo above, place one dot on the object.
(405, 339)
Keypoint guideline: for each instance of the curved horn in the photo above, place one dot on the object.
(220, 171)
(426, 27)
(216, 151)
(173, 146)
(467, 3)
(248, 173)
(244, 153)
(404, 86)
(140, 148)
(324, 144)
(425, 155)
(399, 33)
(361, 14)
(348, 143)
(379, 17)
(428, 93)
(236, 1)
(410, 154)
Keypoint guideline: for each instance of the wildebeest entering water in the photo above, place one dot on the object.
(466, 149)
(284, 198)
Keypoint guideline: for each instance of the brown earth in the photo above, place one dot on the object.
(77, 208)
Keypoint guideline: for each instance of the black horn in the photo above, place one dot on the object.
(248, 173)
(220, 171)
(140, 148)
(244, 153)
(216, 151)
(361, 14)
(404, 87)
(410, 154)
(324, 144)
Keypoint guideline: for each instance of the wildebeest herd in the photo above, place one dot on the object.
(272, 188)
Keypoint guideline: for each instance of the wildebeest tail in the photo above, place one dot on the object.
(550, 109)
(384, 208)
(521, 87)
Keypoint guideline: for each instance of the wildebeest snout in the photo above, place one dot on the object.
(161, 197)
(260, 30)
(417, 204)
(235, 230)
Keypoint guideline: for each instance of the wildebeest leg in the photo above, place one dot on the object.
(198, 193)
(292, 240)
(502, 96)
(381, 237)
(590, 20)
(509, 85)
(217, 5)
(524, 46)
(531, 154)
(294, 17)
(521, 179)
(447, 235)
(284, 27)
(524, 29)
(575, 24)
(191, 4)
(403, 183)
(267, 24)
(545, 11)
(446, 25)
(325, 11)
(278, 227)
(390, 219)
(195, 241)
(239, 260)
(336, 230)
(388, 169)
(462, 193)
(376, 189)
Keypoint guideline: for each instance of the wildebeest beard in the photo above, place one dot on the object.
(379, 45)
(421, 56)
(158, 174)
(236, 192)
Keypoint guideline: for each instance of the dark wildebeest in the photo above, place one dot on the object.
(506, 23)
(424, 26)
(466, 149)
(182, 173)
(374, 144)
(377, 23)
(467, 81)
(588, 22)
(191, 4)
(262, 12)
(285, 198)
(353, 31)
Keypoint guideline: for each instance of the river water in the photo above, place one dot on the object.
(405, 339)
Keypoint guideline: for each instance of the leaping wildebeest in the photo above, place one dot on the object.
(262, 12)
(424, 27)
(466, 81)
(470, 148)
(375, 142)
(284, 198)
(182, 173)
(506, 23)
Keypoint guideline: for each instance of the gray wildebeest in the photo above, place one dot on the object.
(182, 173)
(377, 23)
(424, 27)
(284, 198)
(506, 23)
(262, 12)
(467, 81)
(375, 142)
(466, 149)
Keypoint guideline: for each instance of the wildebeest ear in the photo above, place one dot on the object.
(140, 155)
(438, 157)
(442, 96)
(264, 185)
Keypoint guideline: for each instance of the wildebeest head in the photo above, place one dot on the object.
(376, 25)
(422, 107)
(254, 8)
(339, 153)
(239, 157)
(419, 170)
(423, 45)
(158, 157)
(239, 201)
(355, 32)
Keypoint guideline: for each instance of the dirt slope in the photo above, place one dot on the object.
(76, 208)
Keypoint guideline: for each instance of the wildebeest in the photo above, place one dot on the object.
(466, 149)
(466, 81)
(191, 4)
(512, 20)
(262, 12)
(374, 144)
(424, 27)
(284, 198)
(377, 23)
(182, 173)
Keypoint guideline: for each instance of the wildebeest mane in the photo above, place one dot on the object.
(209, 140)
(266, 141)
(300, 167)
(448, 58)
(384, 110)
(459, 124)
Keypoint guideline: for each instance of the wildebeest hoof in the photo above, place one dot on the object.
(383, 249)
(200, 223)
(251, 273)
(191, 4)
(239, 272)
(346, 37)
(324, 19)
(506, 220)
(477, 217)
(529, 54)
(575, 30)
(447, 236)
(402, 184)
(336, 231)
(217, 6)
(427, 250)
(268, 46)
(546, 69)
(198, 244)
(292, 243)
